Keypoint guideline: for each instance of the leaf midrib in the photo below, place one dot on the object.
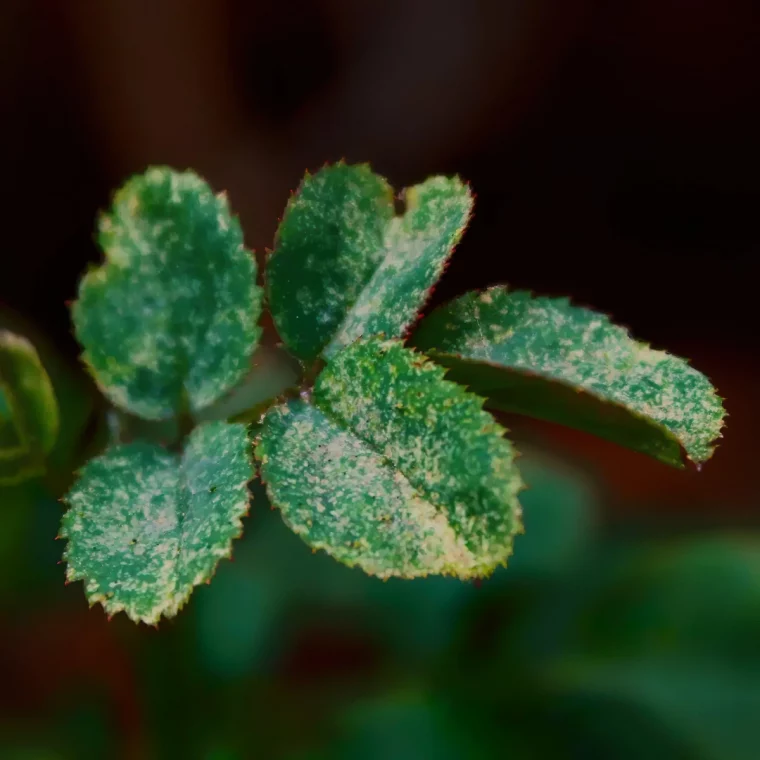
(396, 219)
(385, 461)
(529, 372)
(135, 226)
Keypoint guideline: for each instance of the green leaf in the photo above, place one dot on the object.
(81, 422)
(171, 317)
(674, 631)
(558, 506)
(344, 266)
(711, 709)
(545, 358)
(406, 725)
(28, 410)
(392, 468)
(8, 435)
(144, 525)
(698, 597)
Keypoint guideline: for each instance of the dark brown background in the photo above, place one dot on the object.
(614, 150)
(613, 147)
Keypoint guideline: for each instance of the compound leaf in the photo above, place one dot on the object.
(392, 468)
(28, 410)
(546, 358)
(171, 318)
(145, 525)
(344, 266)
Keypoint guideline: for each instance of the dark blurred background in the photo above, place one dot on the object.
(614, 151)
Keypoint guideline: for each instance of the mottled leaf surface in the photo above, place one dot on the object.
(392, 468)
(28, 410)
(171, 318)
(345, 266)
(546, 358)
(144, 525)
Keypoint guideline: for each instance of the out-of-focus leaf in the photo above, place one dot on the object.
(8, 435)
(171, 317)
(392, 468)
(29, 405)
(711, 709)
(545, 358)
(29, 575)
(344, 266)
(559, 508)
(144, 526)
(674, 632)
(81, 429)
(699, 597)
(238, 617)
(404, 727)
(16, 502)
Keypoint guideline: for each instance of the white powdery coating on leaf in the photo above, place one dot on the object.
(342, 497)
(173, 311)
(328, 244)
(345, 267)
(145, 526)
(413, 261)
(552, 339)
(393, 468)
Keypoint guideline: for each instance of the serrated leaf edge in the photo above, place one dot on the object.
(434, 354)
(482, 570)
(96, 271)
(174, 604)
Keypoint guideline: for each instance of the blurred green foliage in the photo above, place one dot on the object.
(585, 647)
(592, 644)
